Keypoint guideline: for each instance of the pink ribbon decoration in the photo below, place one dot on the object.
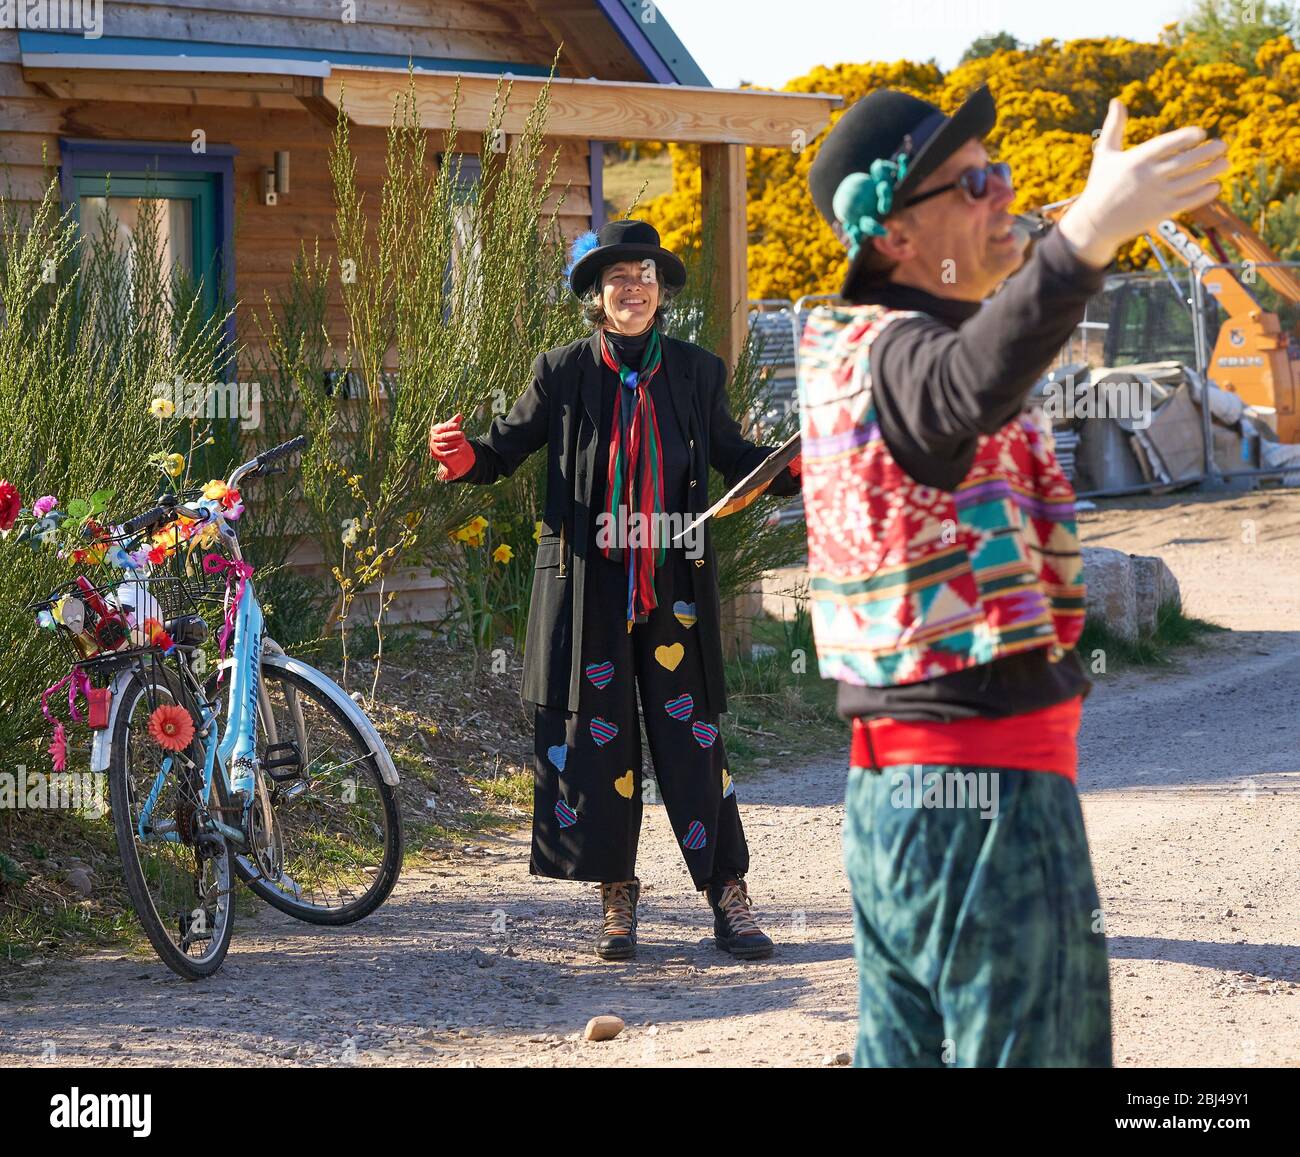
(78, 683)
(242, 571)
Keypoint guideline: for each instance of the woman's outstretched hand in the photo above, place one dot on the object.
(448, 444)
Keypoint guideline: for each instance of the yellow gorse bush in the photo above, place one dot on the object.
(1051, 97)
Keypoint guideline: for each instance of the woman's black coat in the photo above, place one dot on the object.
(561, 410)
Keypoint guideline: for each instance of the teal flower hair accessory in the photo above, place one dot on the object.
(863, 200)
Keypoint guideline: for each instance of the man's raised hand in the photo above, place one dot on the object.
(1130, 191)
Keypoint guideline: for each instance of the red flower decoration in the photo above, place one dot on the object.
(157, 635)
(171, 727)
(10, 504)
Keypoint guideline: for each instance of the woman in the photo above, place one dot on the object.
(632, 419)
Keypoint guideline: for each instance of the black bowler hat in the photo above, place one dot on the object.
(888, 127)
(621, 241)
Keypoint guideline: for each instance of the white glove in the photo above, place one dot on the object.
(1131, 191)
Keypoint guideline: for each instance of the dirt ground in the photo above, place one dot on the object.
(1189, 779)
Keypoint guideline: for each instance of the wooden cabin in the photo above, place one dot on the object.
(124, 87)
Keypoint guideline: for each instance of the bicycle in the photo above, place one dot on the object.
(295, 795)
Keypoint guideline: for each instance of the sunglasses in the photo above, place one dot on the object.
(973, 182)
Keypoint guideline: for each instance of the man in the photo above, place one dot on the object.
(946, 585)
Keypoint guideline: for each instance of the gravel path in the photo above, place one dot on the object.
(1189, 780)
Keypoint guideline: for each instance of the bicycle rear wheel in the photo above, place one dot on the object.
(334, 848)
(179, 874)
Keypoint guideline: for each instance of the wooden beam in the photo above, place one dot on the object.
(724, 210)
(591, 109)
(169, 86)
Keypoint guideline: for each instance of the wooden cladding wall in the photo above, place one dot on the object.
(267, 239)
(452, 29)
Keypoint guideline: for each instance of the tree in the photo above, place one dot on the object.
(1050, 97)
(1232, 31)
(983, 46)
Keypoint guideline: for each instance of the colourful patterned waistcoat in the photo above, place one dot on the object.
(908, 582)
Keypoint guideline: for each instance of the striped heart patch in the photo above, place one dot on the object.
(696, 837)
(566, 816)
(728, 784)
(600, 673)
(602, 730)
(681, 707)
(684, 613)
(705, 733)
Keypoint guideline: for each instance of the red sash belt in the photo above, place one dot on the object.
(1043, 740)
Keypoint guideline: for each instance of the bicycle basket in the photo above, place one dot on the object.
(124, 615)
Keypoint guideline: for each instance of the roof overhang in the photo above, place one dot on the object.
(176, 79)
(589, 109)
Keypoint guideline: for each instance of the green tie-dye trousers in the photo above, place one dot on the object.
(978, 931)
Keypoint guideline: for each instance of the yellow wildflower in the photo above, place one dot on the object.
(162, 408)
(174, 464)
(503, 553)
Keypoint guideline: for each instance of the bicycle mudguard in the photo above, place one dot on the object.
(273, 657)
(101, 749)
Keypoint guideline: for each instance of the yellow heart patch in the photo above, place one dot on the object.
(625, 784)
(670, 656)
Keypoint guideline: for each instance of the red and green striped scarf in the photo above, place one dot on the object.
(636, 474)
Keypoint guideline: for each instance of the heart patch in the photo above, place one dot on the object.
(670, 656)
(696, 837)
(705, 733)
(602, 731)
(728, 784)
(684, 613)
(625, 784)
(600, 674)
(558, 755)
(566, 816)
(681, 707)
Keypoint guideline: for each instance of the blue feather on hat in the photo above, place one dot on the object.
(581, 247)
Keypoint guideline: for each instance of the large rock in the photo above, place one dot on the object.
(1153, 586)
(1112, 598)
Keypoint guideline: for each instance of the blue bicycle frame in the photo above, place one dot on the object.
(237, 747)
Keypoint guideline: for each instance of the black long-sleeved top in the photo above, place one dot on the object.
(938, 383)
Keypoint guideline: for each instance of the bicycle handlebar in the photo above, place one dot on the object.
(167, 507)
(281, 450)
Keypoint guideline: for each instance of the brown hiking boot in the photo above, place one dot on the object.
(618, 937)
(734, 929)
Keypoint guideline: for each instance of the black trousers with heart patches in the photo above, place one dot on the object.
(589, 789)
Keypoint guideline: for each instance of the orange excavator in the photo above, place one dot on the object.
(1252, 355)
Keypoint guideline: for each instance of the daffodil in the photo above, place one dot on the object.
(503, 553)
(162, 408)
(537, 531)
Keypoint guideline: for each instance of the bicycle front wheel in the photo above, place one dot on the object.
(177, 871)
(332, 849)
